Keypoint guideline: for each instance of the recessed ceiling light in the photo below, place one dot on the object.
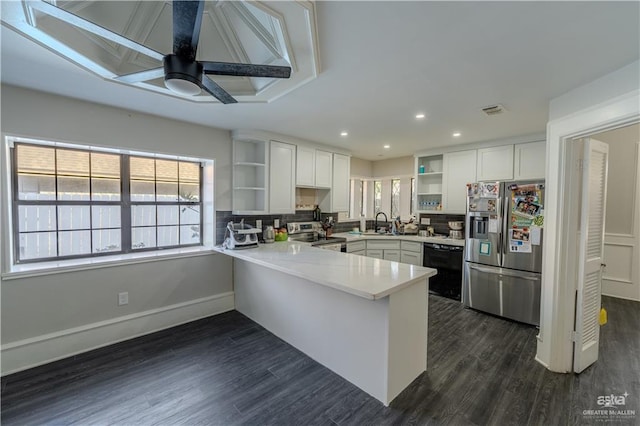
(457, 134)
(387, 146)
(344, 134)
(419, 116)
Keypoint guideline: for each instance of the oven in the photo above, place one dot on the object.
(447, 259)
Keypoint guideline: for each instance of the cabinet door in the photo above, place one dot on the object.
(340, 184)
(495, 163)
(375, 253)
(393, 255)
(282, 177)
(411, 258)
(459, 170)
(529, 160)
(305, 166)
(323, 169)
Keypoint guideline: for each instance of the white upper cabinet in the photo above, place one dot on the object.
(340, 187)
(305, 166)
(323, 169)
(529, 161)
(459, 169)
(282, 178)
(313, 167)
(495, 163)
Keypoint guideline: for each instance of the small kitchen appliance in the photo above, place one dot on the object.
(269, 234)
(240, 236)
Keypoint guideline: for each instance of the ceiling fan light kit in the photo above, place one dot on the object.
(182, 76)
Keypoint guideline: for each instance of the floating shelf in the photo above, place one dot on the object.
(251, 188)
(429, 193)
(430, 174)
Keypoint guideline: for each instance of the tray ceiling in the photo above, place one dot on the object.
(231, 31)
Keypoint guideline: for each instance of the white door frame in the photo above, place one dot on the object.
(555, 345)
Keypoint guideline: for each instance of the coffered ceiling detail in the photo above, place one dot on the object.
(115, 38)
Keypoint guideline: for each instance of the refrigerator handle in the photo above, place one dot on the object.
(505, 223)
(504, 272)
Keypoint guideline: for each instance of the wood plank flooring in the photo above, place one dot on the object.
(227, 370)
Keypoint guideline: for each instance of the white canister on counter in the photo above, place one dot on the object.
(363, 224)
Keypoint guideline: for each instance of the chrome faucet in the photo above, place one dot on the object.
(375, 226)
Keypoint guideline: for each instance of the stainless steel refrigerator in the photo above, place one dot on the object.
(503, 251)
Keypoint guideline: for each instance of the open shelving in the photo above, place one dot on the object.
(428, 183)
(249, 178)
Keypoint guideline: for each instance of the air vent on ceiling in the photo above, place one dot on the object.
(493, 109)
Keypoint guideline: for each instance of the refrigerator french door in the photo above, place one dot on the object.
(503, 255)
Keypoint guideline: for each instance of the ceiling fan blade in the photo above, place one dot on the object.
(216, 91)
(137, 77)
(245, 70)
(187, 19)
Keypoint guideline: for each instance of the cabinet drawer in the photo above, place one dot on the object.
(383, 245)
(356, 246)
(359, 252)
(411, 258)
(374, 253)
(393, 255)
(411, 246)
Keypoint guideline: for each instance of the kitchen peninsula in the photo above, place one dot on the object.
(363, 318)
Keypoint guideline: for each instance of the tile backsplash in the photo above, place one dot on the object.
(438, 221)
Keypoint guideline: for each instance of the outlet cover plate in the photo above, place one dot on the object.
(123, 298)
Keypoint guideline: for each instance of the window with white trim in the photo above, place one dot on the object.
(76, 202)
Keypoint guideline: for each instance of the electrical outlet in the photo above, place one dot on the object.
(258, 224)
(123, 298)
(276, 223)
(425, 221)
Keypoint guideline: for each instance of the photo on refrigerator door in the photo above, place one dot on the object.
(519, 240)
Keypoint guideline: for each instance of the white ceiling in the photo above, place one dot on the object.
(383, 62)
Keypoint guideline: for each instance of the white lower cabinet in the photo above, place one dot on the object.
(356, 246)
(411, 252)
(393, 255)
(411, 258)
(378, 254)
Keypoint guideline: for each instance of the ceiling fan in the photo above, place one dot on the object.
(183, 74)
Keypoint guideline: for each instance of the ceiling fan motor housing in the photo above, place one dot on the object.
(177, 68)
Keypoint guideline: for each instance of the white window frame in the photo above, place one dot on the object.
(13, 270)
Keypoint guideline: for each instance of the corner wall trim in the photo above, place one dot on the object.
(32, 352)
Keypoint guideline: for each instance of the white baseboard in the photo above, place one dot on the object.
(28, 353)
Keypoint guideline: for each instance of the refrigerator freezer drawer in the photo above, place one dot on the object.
(481, 290)
(504, 292)
(521, 297)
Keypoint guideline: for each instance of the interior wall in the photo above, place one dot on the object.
(393, 167)
(37, 307)
(622, 179)
(610, 101)
(622, 240)
(360, 168)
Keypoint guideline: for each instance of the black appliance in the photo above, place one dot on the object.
(447, 259)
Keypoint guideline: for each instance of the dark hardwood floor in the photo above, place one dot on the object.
(228, 370)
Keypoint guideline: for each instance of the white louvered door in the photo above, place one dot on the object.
(594, 200)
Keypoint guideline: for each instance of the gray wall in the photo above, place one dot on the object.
(393, 167)
(623, 170)
(360, 168)
(37, 305)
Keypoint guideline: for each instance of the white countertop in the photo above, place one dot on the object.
(359, 275)
(372, 236)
